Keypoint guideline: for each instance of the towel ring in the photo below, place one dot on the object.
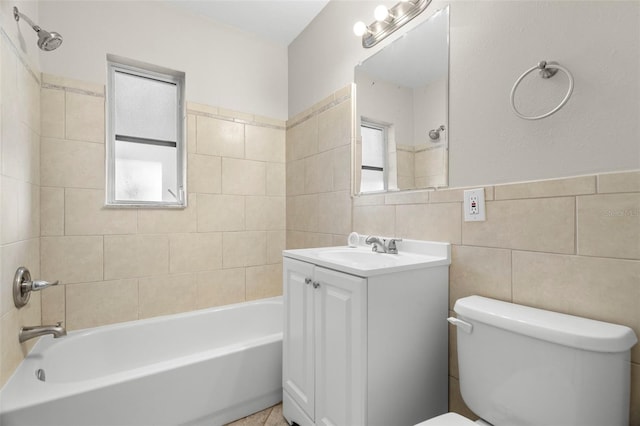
(547, 70)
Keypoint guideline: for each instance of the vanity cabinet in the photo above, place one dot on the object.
(323, 370)
(363, 350)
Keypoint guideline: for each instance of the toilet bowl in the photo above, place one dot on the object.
(525, 366)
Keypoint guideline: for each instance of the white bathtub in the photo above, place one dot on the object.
(204, 367)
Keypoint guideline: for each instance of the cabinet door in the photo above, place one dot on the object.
(340, 348)
(298, 342)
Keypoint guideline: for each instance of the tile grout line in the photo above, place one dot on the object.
(69, 89)
(575, 226)
(234, 120)
(318, 111)
(512, 272)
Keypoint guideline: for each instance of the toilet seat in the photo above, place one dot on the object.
(449, 419)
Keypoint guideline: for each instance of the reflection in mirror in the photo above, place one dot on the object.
(145, 145)
(402, 92)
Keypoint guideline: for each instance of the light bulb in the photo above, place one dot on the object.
(360, 29)
(381, 13)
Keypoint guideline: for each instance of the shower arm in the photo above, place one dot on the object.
(17, 15)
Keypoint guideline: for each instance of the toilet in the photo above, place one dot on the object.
(525, 366)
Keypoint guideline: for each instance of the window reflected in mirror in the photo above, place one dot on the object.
(374, 157)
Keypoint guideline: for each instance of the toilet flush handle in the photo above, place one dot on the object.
(462, 325)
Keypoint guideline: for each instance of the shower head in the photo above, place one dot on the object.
(47, 41)
(434, 134)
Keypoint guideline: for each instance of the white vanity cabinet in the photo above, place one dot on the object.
(323, 351)
(364, 347)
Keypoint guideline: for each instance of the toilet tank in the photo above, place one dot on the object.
(525, 366)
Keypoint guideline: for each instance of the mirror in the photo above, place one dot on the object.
(401, 113)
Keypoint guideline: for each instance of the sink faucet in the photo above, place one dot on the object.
(392, 248)
(27, 333)
(377, 242)
(381, 245)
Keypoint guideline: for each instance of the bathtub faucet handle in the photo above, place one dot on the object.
(23, 285)
(40, 284)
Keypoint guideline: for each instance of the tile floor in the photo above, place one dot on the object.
(272, 416)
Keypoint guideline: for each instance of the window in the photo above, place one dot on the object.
(373, 157)
(145, 143)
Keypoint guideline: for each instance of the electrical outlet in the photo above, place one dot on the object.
(474, 208)
(473, 204)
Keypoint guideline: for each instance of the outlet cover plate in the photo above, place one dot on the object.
(474, 207)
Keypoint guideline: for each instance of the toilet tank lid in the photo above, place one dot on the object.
(563, 329)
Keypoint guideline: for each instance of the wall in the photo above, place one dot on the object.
(224, 66)
(19, 182)
(430, 110)
(405, 167)
(491, 44)
(397, 108)
(430, 166)
(126, 264)
(318, 173)
(431, 158)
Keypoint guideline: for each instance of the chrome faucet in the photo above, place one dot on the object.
(377, 242)
(381, 245)
(392, 248)
(27, 333)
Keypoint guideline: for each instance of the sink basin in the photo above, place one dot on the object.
(364, 259)
(364, 262)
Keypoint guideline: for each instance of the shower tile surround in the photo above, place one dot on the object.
(570, 245)
(126, 264)
(20, 196)
(420, 167)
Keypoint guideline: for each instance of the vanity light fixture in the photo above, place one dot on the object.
(381, 13)
(388, 20)
(360, 29)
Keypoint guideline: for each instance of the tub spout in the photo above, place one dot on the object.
(27, 333)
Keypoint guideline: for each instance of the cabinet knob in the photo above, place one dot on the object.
(307, 280)
(316, 284)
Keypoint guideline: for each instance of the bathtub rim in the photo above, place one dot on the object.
(22, 382)
(160, 318)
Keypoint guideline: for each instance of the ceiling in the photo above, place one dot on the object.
(279, 21)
